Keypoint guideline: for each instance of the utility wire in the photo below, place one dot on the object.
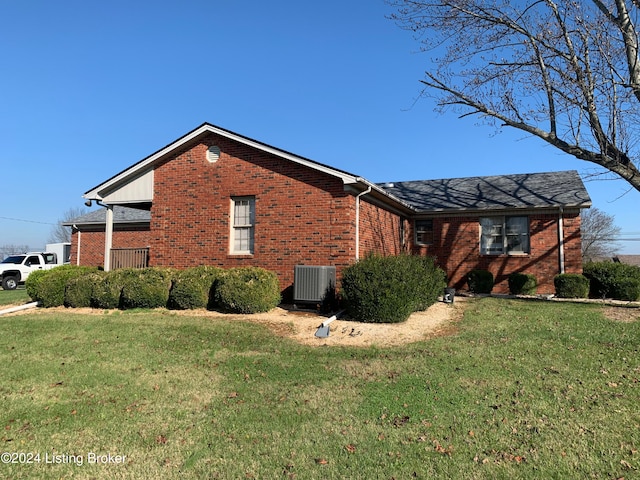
(27, 221)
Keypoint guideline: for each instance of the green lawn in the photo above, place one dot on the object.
(11, 297)
(522, 390)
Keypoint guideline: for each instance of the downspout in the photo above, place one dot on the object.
(561, 239)
(368, 190)
(79, 245)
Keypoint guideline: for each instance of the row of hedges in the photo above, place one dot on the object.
(613, 280)
(48, 286)
(481, 281)
(599, 280)
(377, 289)
(388, 289)
(235, 290)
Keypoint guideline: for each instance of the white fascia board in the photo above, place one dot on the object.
(385, 194)
(148, 162)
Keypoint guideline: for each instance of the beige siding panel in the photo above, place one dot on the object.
(140, 189)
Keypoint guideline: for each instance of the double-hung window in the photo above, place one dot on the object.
(243, 224)
(504, 235)
(424, 232)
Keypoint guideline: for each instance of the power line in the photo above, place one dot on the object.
(27, 221)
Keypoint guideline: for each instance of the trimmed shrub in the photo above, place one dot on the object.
(108, 292)
(430, 282)
(610, 279)
(193, 288)
(48, 287)
(480, 281)
(522, 284)
(388, 289)
(571, 285)
(79, 290)
(32, 285)
(627, 289)
(146, 288)
(247, 290)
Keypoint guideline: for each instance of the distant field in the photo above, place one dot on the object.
(519, 390)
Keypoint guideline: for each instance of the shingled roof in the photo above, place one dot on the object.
(529, 190)
(121, 215)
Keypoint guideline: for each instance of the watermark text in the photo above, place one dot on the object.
(52, 458)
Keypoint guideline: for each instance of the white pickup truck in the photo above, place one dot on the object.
(15, 269)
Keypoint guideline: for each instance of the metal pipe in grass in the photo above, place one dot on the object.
(323, 329)
(19, 308)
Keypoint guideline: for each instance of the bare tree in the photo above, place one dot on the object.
(565, 71)
(599, 235)
(60, 233)
(6, 250)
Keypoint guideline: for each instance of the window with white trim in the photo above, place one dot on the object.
(243, 224)
(504, 235)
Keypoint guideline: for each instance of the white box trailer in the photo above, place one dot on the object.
(62, 251)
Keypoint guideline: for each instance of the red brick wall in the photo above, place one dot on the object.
(572, 243)
(302, 216)
(381, 232)
(457, 249)
(92, 244)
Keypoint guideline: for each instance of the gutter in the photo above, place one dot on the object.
(384, 193)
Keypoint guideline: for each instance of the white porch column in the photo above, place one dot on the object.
(108, 238)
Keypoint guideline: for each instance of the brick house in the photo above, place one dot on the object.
(218, 198)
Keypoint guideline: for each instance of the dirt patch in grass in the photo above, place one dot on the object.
(622, 314)
(299, 325)
(437, 320)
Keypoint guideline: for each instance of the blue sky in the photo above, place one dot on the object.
(89, 88)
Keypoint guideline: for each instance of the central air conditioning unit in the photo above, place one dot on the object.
(313, 284)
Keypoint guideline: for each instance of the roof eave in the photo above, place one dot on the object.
(474, 211)
(102, 223)
(390, 198)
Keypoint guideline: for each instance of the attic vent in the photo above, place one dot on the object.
(213, 154)
(313, 284)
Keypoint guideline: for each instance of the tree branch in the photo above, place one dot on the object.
(628, 172)
(545, 67)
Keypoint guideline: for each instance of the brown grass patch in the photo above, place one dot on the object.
(622, 314)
